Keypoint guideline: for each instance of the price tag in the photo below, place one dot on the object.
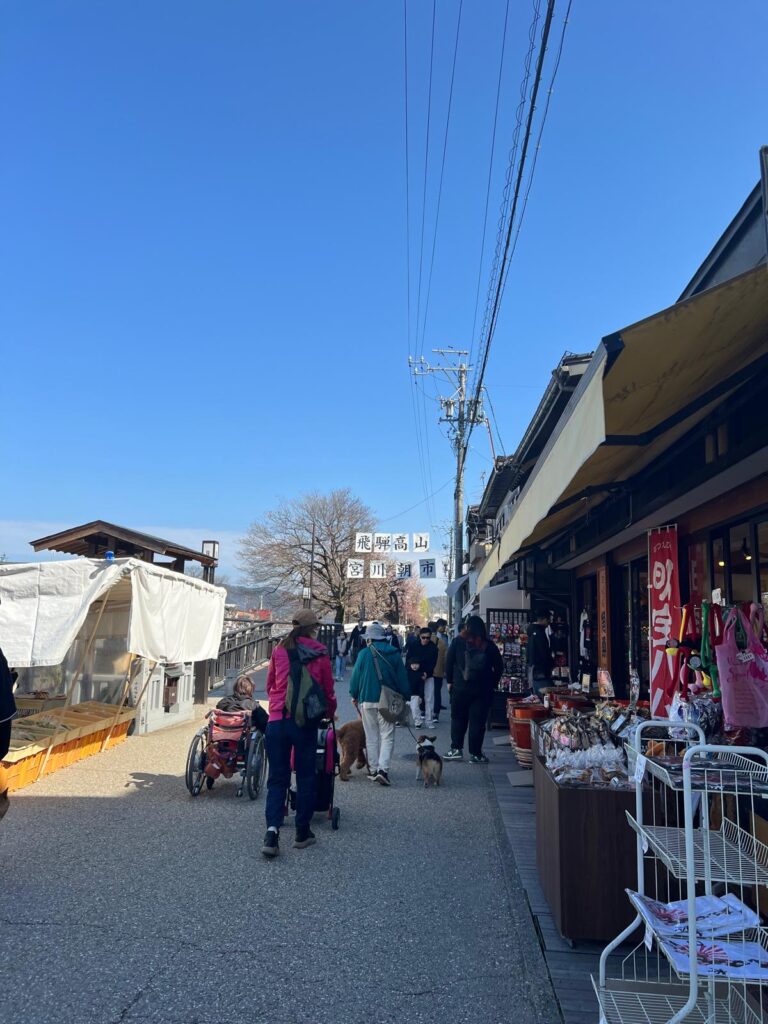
(648, 938)
(640, 767)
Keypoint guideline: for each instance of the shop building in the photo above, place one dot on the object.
(666, 427)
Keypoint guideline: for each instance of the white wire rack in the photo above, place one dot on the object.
(702, 884)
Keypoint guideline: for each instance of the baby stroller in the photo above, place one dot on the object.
(228, 743)
(326, 770)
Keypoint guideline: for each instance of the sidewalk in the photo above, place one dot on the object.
(125, 900)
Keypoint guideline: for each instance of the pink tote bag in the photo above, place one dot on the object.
(743, 675)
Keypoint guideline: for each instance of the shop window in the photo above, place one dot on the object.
(741, 567)
(762, 557)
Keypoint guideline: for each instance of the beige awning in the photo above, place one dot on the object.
(670, 370)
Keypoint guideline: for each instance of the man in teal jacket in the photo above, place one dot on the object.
(377, 663)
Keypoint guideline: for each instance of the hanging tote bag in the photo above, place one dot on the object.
(392, 706)
(743, 675)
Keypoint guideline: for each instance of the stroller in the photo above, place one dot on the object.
(326, 770)
(227, 744)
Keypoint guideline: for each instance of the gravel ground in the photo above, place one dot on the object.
(123, 900)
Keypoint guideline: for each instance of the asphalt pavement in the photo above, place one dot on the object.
(124, 900)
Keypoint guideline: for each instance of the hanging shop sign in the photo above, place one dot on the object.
(664, 587)
(390, 543)
(380, 570)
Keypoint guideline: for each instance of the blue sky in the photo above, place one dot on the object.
(203, 258)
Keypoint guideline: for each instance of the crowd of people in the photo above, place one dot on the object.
(468, 667)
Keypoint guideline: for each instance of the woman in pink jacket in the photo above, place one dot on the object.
(297, 651)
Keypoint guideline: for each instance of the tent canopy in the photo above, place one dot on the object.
(43, 606)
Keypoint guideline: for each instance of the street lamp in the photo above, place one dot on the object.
(306, 594)
(211, 549)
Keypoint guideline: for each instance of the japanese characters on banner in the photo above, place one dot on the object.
(664, 587)
(393, 546)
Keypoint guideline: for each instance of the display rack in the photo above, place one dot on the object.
(701, 871)
(509, 631)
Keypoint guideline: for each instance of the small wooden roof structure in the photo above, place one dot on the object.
(93, 540)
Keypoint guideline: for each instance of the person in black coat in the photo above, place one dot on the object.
(473, 669)
(420, 663)
(540, 657)
(7, 704)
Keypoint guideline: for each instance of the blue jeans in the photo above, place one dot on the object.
(340, 659)
(282, 737)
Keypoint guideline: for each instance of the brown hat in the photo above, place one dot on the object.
(305, 617)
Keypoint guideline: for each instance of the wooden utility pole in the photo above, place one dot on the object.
(458, 413)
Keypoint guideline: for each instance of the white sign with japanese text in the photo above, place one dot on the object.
(421, 542)
(355, 568)
(400, 543)
(363, 543)
(378, 570)
(382, 543)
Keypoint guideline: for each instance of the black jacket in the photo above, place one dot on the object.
(539, 652)
(454, 665)
(259, 716)
(7, 703)
(426, 658)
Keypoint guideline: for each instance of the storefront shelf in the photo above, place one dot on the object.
(733, 855)
(637, 1002)
(727, 773)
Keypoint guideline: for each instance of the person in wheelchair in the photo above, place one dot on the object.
(241, 699)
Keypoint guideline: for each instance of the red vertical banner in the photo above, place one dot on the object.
(664, 607)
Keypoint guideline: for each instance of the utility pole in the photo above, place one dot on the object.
(458, 413)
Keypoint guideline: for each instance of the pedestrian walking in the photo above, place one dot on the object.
(412, 642)
(288, 730)
(540, 657)
(378, 664)
(440, 640)
(473, 669)
(356, 640)
(7, 705)
(421, 668)
(341, 654)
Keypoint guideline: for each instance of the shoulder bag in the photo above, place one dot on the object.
(392, 706)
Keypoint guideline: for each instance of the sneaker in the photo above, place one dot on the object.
(383, 778)
(271, 846)
(418, 722)
(431, 725)
(304, 837)
(372, 775)
(454, 755)
(479, 759)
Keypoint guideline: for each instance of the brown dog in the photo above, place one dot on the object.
(351, 737)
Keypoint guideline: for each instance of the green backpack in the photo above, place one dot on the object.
(304, 699)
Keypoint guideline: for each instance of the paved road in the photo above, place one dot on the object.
(123, 900)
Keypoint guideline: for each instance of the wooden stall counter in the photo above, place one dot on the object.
(585, 855)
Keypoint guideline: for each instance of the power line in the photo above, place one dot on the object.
(512, 160)
(426, 168)
(490, 175)
(442, 172)
(521, 168)
(412, 507)
(493, 417)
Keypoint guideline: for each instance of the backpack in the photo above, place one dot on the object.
(304, 699)
(474, 668)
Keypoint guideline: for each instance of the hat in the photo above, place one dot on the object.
(375, 632)
(305, 617)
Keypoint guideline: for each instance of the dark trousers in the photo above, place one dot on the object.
(438, 695)
(469, 708)
(5, 737)
(280, 739)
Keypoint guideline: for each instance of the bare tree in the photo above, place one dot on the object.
(276, 553)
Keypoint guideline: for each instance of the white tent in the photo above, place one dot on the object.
(43, 605)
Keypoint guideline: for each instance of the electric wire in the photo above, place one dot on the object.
(493, 418)
(515, 199)
(426, 170)
(411, 379)
(488, 186)
(538, 139)
(418, 503)
(442, 174)
(511, 162)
